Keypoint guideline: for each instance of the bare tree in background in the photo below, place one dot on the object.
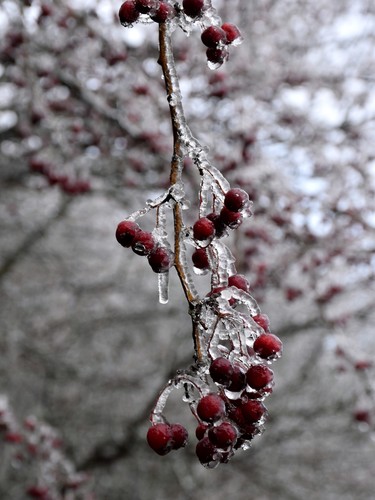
(85, 138)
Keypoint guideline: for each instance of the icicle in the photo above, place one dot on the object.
(186, 266)
(205, 194)
(225, 261)
(163, 287)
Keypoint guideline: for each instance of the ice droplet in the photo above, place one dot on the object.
(163, 287)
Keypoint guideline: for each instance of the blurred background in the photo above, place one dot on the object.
(85, 139)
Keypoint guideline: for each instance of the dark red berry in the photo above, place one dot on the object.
(253, 411)
(362, 415)
(263, 321)
(203, 229)
(219, 226)
(200, 431)
(223, 435)
(128, 13)
(268, 346)
(193, 8)
(231, 31)
(236, 199)
(38, 492)
(144, 6)
(143, 243)
(213, 36)
(160, 438)
(160, 260)
(216, 56)
(211, 408)
(221, 370)
(179, 435)
(237, 381)
(258, 376)
(239, 281)
(230, 219)
(207, 452)
(125, 233)
(162, 13)
(200, 259)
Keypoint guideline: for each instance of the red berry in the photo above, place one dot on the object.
(160, 260)
(211, 408)
(203, 229)
(258, 376)
(200, 259)
(263, 321)
(162, 13)
(37, 492)
(180, 436)
(200, 431)
(268, 346)
(216, 56)
(144, 6)
(221, 370)
(143, 243)
(207, 452)
(253, 411)
(236, 199)
(128, 13)
(239, 281)
(125, 233)
(160, 438)
(362, 415)
(231, 31)
(193, 8)
(230, 219)
(213, 36)
(223, 435)
(219, 226)
(237, 381)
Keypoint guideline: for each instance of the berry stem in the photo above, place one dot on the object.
(180, 130)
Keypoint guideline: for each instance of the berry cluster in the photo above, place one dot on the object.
(67, 184)
(144, 243)
(230, 417)
(215, 38)
(215, 225)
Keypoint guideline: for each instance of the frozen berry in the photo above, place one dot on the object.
(128, 13)
(221, 370)
(213, 36)
(160, 438)
(237, 380)
(268, 346)
(211, 408)
(160, 260)
(144, 6)
(207, 452)
(223, 435)
(180, 436)
(231, 31)
(200, 431)
(143, 243)
(200, 259)
(193, 8)
(216, 56)
(239, 281)
(263, 321)
(203, 229)
(258, 376)
(162, 13)
(253, 411)
(230, 219)
(125, 233)
(236, 199)
(219, 226)
(38, 492)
